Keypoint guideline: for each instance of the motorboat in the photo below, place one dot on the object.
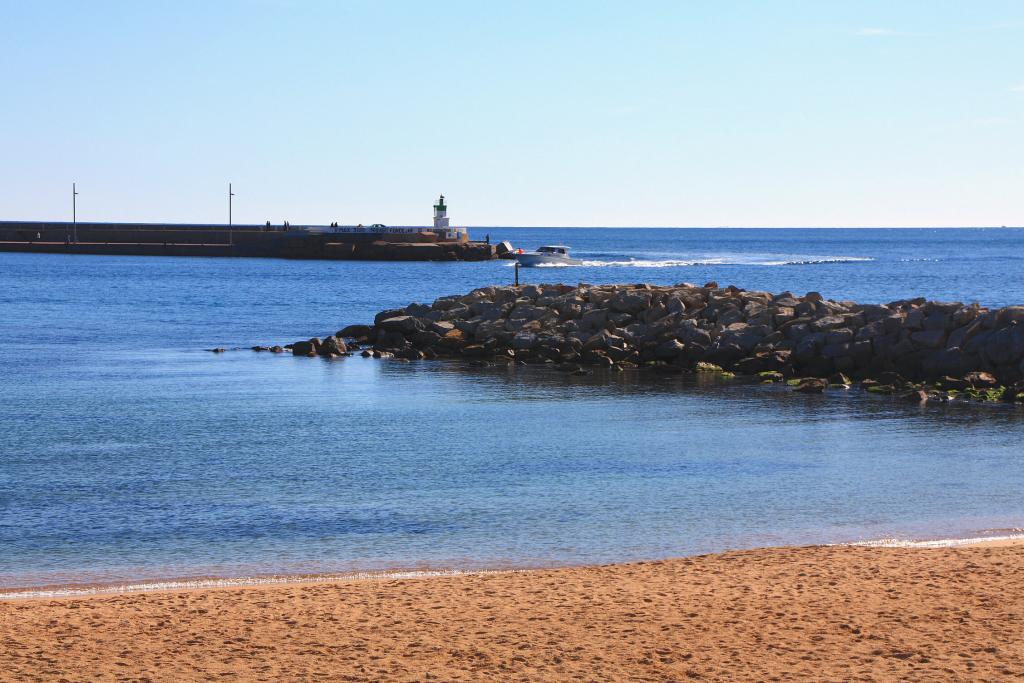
(551, 255)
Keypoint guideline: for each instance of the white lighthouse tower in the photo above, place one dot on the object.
(442, 229)
(440, 216)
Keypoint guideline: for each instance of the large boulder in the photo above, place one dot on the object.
(691, 334)
(828, 322)
(730, 315)
(403, 324)
(873, 312)
(836, 350)
(442, 327)
(602, 340)
(453, 339)
(332, 346)
(416, 310)
(745, 336)
(960, 336)
(841, 335)
(938, 320)
(425, 338)
(527, 311)
(486, 310)
(490, 330)
(808, 348)
(444, 303)
(594, 320)
(468, 326)
(635, 332)
(306, 348)
(357, 332)
(1006, 345)
(631, 302)
(724, 351)
(390, 340)
(384, 315)
(914, 319)
(524, 340)
(1010, 314)
(458, 311)
(947, 362)
(752, 365)
(669, 350)
(929, 338)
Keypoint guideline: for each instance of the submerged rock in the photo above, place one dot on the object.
(811, 385)
(916, 396)
(981, 380)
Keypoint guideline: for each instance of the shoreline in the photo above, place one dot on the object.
(792, 613)
(201, 583)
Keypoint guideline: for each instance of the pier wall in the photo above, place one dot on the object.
(143, 239)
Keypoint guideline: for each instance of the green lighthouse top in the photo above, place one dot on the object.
(440, 204)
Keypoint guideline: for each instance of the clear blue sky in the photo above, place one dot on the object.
(526, 113)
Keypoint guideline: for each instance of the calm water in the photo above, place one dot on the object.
(127, 452)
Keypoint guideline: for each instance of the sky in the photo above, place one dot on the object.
(679, 113)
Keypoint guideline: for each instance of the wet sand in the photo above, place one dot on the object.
(818, 613)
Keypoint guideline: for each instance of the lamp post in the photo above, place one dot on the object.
(231, 240)
(74, 211)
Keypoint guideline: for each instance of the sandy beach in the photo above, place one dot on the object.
(815, 613)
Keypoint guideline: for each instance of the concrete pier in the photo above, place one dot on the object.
(167, 239)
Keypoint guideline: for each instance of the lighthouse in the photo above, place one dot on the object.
(440, 216)
(445, 232)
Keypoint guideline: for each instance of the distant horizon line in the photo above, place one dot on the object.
(553, 227)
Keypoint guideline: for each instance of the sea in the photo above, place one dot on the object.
(131, 454)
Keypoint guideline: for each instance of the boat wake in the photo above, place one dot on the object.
(735, 260)
(638, 263)
(818, 261)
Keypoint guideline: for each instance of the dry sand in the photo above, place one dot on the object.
(819, 613)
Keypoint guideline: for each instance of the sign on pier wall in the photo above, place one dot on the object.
(379, 230)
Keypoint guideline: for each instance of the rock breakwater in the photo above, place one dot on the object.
(913, 346)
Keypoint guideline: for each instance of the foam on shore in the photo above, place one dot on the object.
(1012, 536)
(233, 582)
(1005, 537)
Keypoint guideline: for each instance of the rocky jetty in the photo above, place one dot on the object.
(913, 347)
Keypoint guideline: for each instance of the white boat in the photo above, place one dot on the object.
(555, 255)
